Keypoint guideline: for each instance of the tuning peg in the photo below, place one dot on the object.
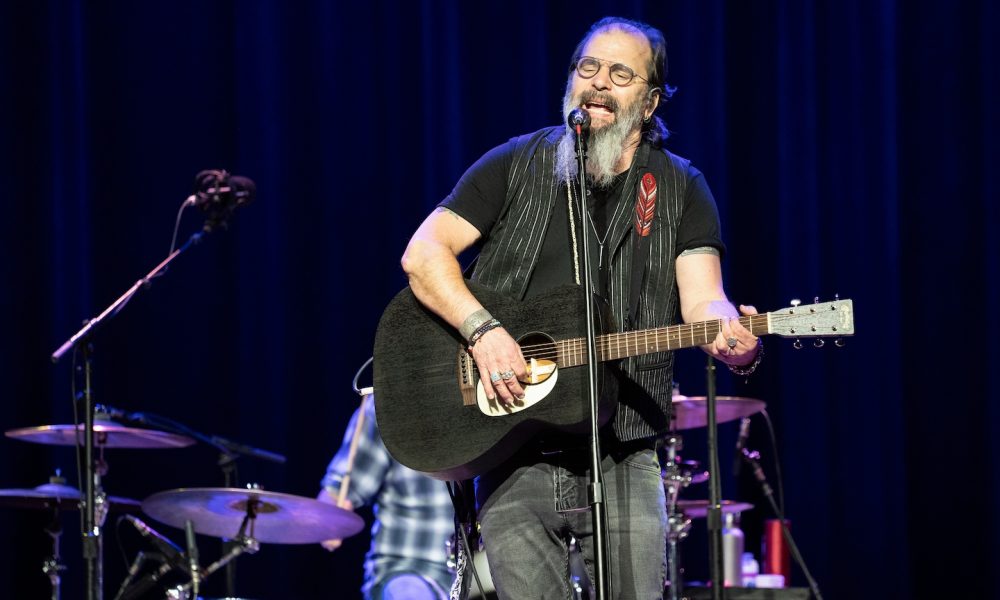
(815, 299)
(819, 343)
(839, 342)
(795, 302)
(836, 296)
(797, 344)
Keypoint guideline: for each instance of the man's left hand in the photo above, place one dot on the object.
(735, 345)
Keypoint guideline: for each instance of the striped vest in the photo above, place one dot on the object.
(510, 252)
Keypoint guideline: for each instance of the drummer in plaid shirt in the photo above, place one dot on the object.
(414, 517)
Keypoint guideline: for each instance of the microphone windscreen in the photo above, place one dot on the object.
(578, 118)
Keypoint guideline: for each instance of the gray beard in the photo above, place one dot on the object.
(604, 149)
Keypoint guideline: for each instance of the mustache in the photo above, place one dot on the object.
(594, 97)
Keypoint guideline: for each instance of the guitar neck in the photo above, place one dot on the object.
(615, 346)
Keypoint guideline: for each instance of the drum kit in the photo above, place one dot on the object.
(679, 474)
(246, 517)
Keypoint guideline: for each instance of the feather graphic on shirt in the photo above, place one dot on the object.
(645, 204)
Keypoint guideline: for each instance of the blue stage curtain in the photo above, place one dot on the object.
(851, 148)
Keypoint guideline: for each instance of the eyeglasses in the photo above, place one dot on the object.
(621, 75)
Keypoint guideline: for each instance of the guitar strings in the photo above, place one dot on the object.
(673, 336)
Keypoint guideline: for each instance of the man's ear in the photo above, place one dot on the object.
(653, 100)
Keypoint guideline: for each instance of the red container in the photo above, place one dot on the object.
(775, 557)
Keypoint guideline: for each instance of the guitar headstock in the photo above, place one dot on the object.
(818, 320)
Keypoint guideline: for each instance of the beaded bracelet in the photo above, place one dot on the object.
(747, 370)
(481, 331)
(473, 322)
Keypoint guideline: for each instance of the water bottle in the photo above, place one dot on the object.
(732, 550)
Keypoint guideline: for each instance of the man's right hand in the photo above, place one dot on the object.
(500, 364)
(331, 498)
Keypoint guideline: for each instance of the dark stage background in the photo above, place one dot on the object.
(850, 146)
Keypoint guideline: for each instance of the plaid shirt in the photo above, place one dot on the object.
(413, 512)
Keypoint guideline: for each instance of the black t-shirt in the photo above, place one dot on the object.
(479, 196)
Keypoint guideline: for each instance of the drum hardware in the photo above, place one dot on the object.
(93, 502)
(254, 514)
(56, 496)
(691, 413)
(229, 452)
(698, 509)
(270, 517)
(51, 566)
(106, 434)
(675, 478)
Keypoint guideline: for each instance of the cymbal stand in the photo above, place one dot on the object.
(242, 543)
(51, 566)
(678, 525)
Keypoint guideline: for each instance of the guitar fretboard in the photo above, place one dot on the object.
(614, 346)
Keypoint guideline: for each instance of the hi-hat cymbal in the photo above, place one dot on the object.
(280, 518)
(57, 495)
(106, 434)
(696, 509)
(691, 412)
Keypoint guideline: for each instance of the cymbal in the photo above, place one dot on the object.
(60, 496)
(281, 518)
(106, 434)
(691, 412)
(696, 509)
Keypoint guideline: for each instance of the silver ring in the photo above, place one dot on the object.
(731, 342)
(495, 376)
(508, 374)
(730, 352)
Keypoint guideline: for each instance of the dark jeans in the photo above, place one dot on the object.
(532, 505)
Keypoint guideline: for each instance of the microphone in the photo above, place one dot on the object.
(579, 121)
(741, 443)
(170, 551)
(217, 189)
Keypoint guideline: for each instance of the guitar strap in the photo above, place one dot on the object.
(642, 223)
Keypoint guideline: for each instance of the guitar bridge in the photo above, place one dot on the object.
(466, 377)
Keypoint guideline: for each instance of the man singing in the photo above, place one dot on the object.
(520, 205)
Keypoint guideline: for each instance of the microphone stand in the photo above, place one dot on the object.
(602, 562)
(714, 515)
(92, 543)
(752, 457)
(91, 530)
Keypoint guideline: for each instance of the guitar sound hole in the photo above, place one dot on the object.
(539, 346)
